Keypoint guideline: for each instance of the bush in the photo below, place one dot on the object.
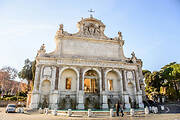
(4, 96)
(14, 98)
(23, 94)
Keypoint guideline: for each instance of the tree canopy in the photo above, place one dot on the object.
(28, 72)
(163, 82)
(11, 72)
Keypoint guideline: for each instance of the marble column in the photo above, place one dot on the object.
(54, 99)
(140, 102)
(103, 79)
(35, 97)
(37, 78)
(125, 93)
(123, 80)
(81, 91)
(136, 80)
(104, 90)
(34, 100)
(57, 78)
(139, 91)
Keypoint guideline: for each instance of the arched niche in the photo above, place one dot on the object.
(46, 87)
(68, 80)
(113, 81)
(45, 93)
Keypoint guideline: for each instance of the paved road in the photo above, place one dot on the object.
(172, 108)
(37, 116)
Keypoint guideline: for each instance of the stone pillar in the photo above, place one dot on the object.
(137, 80)
(121, 81)
(163, 99)
(105, 101)
(124, 80)
(80, 78)
(54, 99)
(126, 100)
(146, 110)
(132, 112)
(80, 100)
(111, 113)
(80, 94)
(89, 113)
(37, 78)
(54, 112)
(69, 112)
(53, 77)
(125, 93)
(140, 102)
(35, 100)
(104, 96)
(57, 78)
(141, 82)
(103, 79)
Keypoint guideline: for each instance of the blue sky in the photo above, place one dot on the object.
(151, 28)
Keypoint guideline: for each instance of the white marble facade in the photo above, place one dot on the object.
(85, 67)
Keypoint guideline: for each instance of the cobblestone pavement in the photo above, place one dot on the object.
(37, 116)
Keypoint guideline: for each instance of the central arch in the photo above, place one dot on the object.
(91, 89)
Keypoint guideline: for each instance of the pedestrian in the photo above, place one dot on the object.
(117, 109)
(122, 112)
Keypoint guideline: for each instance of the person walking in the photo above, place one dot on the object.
(117, 109)
(122, 112)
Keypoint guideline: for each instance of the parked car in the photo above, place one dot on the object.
(11, 108)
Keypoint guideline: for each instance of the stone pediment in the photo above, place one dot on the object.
(91, 27)
(88, 27)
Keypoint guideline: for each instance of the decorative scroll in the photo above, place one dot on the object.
(57, 77)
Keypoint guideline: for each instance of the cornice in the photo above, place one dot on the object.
(86, 62)
(88, 39)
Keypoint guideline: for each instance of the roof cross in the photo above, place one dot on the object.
(91, 11)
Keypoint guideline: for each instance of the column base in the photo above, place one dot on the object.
(54, 106)
(127, 105)
(141, 105)
(80, 106)
(104, 106)
(34, 106)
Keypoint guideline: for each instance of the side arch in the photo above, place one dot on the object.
(71, 73)
(119, 78)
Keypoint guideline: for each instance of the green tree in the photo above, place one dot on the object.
(168, 77)
(146, 72)
(171, 75)
(27, 72)
(153, 83)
